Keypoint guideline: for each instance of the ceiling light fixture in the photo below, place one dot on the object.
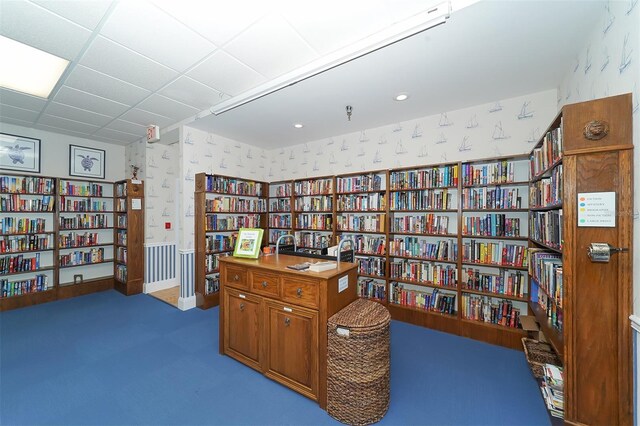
(422, 21)
(29, 70)
(298, 126)
(401, 97)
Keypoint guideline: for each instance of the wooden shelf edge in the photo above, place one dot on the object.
(553, 335)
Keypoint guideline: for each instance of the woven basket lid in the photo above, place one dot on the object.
(361, 313)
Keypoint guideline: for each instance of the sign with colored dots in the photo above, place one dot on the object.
(597, 209)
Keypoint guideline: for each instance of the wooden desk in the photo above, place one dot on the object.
(274, 319)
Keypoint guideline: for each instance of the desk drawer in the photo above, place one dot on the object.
(236, 277)
(300, 292)
(264, 283)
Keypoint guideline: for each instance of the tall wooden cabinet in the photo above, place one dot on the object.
(129, 242)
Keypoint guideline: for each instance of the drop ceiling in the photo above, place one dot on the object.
(168, 63)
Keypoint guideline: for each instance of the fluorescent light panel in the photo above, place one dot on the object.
(29, 70)
(420, 22)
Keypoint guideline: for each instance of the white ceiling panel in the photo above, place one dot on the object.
(226, 74)
(18, 113)
(10, 120)
(37, 27)
(193, 93)
(64, 131)
(115, 135)
(167, 107)
(70, 96)
(85, 13)
(21, 100)
(122, 63)
(91, 81)
(146, 118)
(271, 47)
(77, 114)
(160, 38)
(128, 127)
(63, 123)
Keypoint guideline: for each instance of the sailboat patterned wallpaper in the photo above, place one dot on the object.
(504, 127)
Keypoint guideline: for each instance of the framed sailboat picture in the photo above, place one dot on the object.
(19, 153)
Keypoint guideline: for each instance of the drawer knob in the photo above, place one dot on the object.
(299, 292)
(242, 306)
(287, 321)
(236, 277)
(264, 284)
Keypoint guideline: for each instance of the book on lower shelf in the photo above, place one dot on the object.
(552, 388)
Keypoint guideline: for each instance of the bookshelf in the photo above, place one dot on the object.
(583, 306)
(314, 213)
(280, 201)
(129, 237)
(224, 204)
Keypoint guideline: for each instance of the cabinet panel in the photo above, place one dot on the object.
(264, 283)
(242, 327)
(300, 292)
(236, 277)
(292, 347)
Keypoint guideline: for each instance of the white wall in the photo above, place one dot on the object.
(54, 151)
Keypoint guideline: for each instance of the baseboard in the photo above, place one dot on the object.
(186, 303)
(160, 285)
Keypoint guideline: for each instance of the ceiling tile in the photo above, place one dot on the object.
(226, 74)
(128, 127)
(117, 61)
(21, 100)
(77, 114)
(146, 118)
(91, 81)
(271, 47)
(166, 46)
(193, 93)
(63, 123)
(37, 27)
(229, 18)
(64, 131)
(119, 136)
(169, 108)
(18, 113)
(85, 13)
(9, 120)
(79, 99)
(109, 140)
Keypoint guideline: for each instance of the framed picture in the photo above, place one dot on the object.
(86, 162)
(19, 153)
(248, 242)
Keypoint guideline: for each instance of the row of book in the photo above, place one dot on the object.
(491, 225)
(280, 205)
(121, 254)
(26, 185)
(371, 289)
(121, 273)
(312, 240)
(362, 223)
(550, 308)
(419, 247)
(212, 283)
(548, 153)
(121, 205)
(86, 221)
(495, 253)
(36, 284)
(546, 227)
(372, 266)
(121, 189)
(74, 239)
(486, 309)
(546, 269)
(500, 172)
(16, 203)
(373, 201)
(436, 301)
(314, 221)
(212, 262)
(435, 177)
(234, 204)
(313, 187)
(82, 190)
(274, 234)
(233, 186)
(86, 205)
(13, 225)
(366, 244)
(359, 183)
(19, 263)
(491, 198)
(425, 224)
(19, 243)
(231, 223)
(282, 190)
(121, 221)
(424, 272)
(509, 283)
(314, 204)
(94, 255)
(220, 242)
(547, 191)
(422, 200)
(552, 388)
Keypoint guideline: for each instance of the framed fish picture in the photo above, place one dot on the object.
(86, 162)
(19, 153)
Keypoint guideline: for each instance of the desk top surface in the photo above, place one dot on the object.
(280, 262)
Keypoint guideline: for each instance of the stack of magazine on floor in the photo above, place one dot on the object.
(552, 388)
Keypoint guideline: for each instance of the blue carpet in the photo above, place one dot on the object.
(115, 360)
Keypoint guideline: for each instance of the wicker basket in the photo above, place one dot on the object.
(538, 354)
(358, 363)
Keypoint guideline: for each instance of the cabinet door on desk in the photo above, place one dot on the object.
(242, 336)
(292, 347)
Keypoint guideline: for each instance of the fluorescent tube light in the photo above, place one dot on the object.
(420, 22)
(29, 70)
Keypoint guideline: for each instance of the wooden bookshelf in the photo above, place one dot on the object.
(314, 213)
(280, 218)
(129, 236)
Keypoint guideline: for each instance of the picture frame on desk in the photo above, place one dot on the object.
(19, 153)
(248, 243)
(86, 162)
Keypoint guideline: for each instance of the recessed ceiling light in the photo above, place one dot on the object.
(401, 97)
(298, 126)
(29, 70)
